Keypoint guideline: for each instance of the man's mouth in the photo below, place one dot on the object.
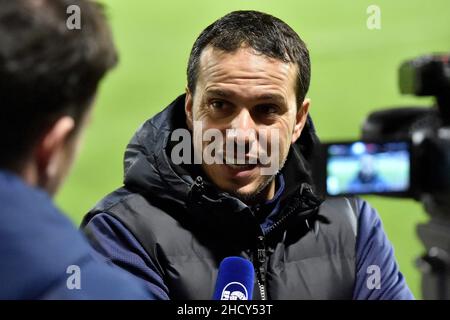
(242, 166)
(240, 171)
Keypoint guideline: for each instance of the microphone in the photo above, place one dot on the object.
(235, 279)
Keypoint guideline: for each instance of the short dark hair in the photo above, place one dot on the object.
(46, 69)
(264, 33)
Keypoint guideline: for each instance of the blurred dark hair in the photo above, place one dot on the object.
(46, 69)
(264, 33)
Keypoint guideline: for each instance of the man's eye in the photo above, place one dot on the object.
(268, 109)
(217, 104)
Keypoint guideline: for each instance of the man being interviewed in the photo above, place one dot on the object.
(181, 211)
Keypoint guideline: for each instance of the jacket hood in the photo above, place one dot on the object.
(150, 172)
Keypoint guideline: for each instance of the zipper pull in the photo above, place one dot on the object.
(197, 189)
(261, 250)
(199, 182)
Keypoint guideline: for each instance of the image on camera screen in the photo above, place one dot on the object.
(363, 168)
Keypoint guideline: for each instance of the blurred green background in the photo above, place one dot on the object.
(354, 71)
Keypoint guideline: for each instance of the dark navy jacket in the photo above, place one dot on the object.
(41, 252)
(166, 229)
(115, 241)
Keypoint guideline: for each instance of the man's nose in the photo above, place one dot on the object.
(243, 121)
(243, 131)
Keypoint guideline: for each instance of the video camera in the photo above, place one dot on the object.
(404, 152)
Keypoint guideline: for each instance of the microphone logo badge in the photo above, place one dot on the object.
(234, 291)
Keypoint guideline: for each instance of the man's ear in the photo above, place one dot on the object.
(300, 119)
(188, 107)
(49, 149)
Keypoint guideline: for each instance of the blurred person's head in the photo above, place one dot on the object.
(367, 165)
(48, 79)
(249, 71)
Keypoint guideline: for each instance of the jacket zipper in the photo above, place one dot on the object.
(261, 249)
(261, 258)
(261, 274)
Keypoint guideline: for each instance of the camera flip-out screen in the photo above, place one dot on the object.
(367, 168)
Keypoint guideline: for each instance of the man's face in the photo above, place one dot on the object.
(254, 93)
